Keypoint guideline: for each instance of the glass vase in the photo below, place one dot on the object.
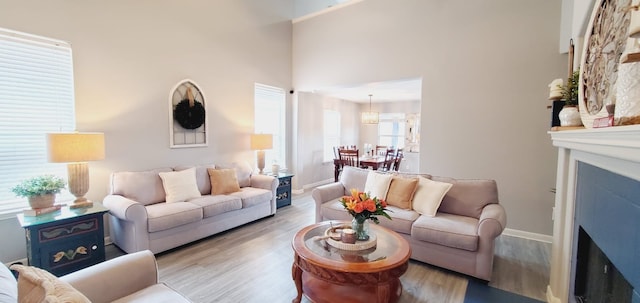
(361, 227)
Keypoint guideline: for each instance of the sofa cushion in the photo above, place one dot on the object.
(223, 181)
(401, 192)
(429, 195)
(377, 184)
(180, 185)
(334, 210)
(243, 172)
(468, 197)
(202, 177)
(218, 204)
(164, 216)
(353, 177)
(158, 293)
(37, 285)
(253, 196)
(447, 230)
(144, 187)
(401, 219)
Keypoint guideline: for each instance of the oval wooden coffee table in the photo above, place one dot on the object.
(325, 274)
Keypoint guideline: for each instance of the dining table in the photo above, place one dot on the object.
(374, 162)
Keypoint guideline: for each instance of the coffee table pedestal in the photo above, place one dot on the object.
(326, 275)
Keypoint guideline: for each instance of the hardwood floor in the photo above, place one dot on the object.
(252, 263)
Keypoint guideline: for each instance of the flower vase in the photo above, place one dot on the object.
(361, 228)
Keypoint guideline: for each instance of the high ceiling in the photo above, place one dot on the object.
(387, 91)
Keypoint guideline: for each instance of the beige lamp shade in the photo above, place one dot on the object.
(75, 147)
(261, 141)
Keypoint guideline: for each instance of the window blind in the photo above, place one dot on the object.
(36, 97)
(269, 116)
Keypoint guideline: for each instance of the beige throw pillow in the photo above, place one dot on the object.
(377, 185)
(401, 192)
(429, 195)
(180, 185)
(36, 285)
(223, 181)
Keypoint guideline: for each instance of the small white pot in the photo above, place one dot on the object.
(569, 116)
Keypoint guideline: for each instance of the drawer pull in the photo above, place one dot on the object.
(94, 247)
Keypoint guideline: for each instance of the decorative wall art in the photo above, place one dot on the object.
(187, 116)
(605, 41)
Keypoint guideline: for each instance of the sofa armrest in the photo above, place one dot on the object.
(326, 193)
(116, 278)
(492, 221)
(269, 183)
(265, 182)
(125, 209)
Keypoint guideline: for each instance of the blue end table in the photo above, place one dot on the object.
(66, 240)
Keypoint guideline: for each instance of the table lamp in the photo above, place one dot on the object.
(76, 149)
(260, 142)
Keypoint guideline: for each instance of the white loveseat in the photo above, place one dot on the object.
(140, 217)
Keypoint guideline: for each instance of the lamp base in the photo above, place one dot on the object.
(261, 161)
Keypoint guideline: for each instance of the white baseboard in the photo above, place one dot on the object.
(312, 185)
(107, 241)
(527, 235)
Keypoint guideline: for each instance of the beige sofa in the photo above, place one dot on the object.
(141, 219)
(460, 236)
(128, 278)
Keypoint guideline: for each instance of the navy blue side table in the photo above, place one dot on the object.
(283, 193)
(67, 240)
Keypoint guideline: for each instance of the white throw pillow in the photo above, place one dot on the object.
(377, 184)
(180, 185)
(429, 195)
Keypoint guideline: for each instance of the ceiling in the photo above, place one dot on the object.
(382, 92)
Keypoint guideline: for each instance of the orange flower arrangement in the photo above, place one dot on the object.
(363, 207)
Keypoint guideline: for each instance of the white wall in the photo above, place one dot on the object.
(129, 54)
(485, 67)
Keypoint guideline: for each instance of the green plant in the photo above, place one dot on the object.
(40, 185)
(570, 90)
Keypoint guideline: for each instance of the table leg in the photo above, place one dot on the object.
(296, 273)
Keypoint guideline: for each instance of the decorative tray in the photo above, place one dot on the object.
(333, 239)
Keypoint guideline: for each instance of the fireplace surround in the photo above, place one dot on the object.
(615, 152)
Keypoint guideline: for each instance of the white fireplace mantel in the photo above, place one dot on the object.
(616, 149)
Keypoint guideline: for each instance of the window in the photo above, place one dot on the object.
(36, 97)
(391, 129)
(331, 121)
(270, 118)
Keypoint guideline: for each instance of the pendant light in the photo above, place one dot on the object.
(370, 117)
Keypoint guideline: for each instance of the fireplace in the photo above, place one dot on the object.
(595, 255)
(597, 279)
(606, 236)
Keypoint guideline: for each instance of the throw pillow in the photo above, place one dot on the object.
(377, 185)
(243, 172)
(180, 185)
(401, 192)
(428, 196)
(223, 181)
(38, 285)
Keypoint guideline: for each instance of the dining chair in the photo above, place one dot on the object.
(381, 150)
(398, 159)
(389, 159)
(350, 157)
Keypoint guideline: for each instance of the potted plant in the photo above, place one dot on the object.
(569, 115)
(40, 190)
